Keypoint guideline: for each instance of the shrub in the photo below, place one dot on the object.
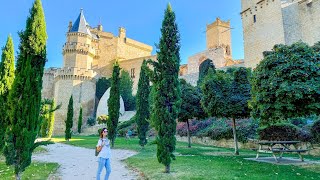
(279, 132)
(91, 121)
(123, 127)
(195, 127)
(103, 119)
(315, 130)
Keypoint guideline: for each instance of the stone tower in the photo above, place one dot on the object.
(76, 77)
(218, 34)
(269, 22)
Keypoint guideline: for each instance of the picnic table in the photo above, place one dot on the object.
(279, 147)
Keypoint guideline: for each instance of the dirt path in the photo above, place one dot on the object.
(80, 163)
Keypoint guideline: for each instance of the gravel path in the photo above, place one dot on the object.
(81, 164)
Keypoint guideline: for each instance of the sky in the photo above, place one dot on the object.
(141, 18)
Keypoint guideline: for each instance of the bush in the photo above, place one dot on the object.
(315, 131)
(279, 132)
(195, 127)
(103, 119)
(91, 121)
(123, 127)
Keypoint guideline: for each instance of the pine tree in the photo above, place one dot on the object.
(25, 96)
(143, 113)
(6, 81)
(114, 104)
(80, 121)
(166, 97)
(69, 121)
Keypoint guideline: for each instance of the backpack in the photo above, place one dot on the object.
(96, 151)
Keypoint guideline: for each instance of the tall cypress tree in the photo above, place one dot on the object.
(6, 81)
(51, 118)
(25, 96)
(114, 103)
(80, 121)
(126, 84)
(69, 121)
(143, 113)
(166, 97)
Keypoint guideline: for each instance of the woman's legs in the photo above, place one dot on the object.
(101, 163)
(108, 169)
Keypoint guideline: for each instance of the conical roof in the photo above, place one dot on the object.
(80, 25)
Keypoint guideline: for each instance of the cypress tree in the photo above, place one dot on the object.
(143, 113)
(51, 118)
(6, 81)
(25, 96)
(80, 121)
(114, 103)
(166, 97)
(126, 84)
(69, 121)
(44, 119)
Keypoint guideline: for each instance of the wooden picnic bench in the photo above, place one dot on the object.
(279, 147)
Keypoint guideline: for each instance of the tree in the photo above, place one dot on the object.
(114, 104)
(204, 68)
(190, 107)
(80, 121)
(25, 95)
(126, 84)
(286, 84)
(239, 97)
(47, 117)
(52, 109)
(166, 97)
(143, 113)
(69, 121)
(6, 81)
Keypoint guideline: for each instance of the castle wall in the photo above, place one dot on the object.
(262, 28)
(47, 91)
(216, 55)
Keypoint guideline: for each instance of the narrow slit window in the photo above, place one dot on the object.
(254, 18)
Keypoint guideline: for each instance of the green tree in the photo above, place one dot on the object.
(126, 84)
(47, 117)
(114, 104)
(52, 109)
(25, 95)
(69, 121)
(238, 100)
(166, 97)
(6, 81)
(190, 107)
(286, 84)
(80, 121)
(204, 68)
(143, 111)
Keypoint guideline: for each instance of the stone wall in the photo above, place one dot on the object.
(262, 28)
(47, 91)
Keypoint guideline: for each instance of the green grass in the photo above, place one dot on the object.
(203, 162)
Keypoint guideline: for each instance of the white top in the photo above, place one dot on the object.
(105, 151)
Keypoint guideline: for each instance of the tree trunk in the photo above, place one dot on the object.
(167, 169)
(18, 176)
(236, 150)
(112, 143)
(188, 133)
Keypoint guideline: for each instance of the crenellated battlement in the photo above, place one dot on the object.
(81, 48)
(219, 22)
(253, 6)
(74, 73)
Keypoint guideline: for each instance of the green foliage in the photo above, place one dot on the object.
(52, 109)
(91, 121)
(101, 87)
(315, 130)
(143, 108)
(25, 95)
(126, 84)
(6, 81)
(69, 121)
(166, 97)
(103, 119)
(204, 69)
(44, 119)
(114, 103)
(80, 121)
(215, 92)
(286, 84)
(125, 124)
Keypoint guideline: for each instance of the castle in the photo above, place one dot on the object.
(88, 54)
(269, 22)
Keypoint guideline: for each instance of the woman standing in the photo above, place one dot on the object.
(104, 156)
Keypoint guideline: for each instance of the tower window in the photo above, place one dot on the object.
(254, 18)
(132, 73)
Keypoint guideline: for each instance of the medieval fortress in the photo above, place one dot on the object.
(89, 53)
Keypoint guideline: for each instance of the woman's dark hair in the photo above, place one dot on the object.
(101, 136)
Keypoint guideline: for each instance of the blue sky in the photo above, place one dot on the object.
(141, 18)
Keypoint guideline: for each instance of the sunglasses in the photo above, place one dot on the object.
(105, 131)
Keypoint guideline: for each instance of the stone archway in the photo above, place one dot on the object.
(103, 104)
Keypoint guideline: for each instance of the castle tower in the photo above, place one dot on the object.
(76, 77)
(219, 35)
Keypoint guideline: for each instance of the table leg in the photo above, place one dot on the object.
(275, 157)
(260, 146)
(281, 155)
(301, 157)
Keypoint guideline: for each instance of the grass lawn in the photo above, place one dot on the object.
(35, 171)
(203, 162)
